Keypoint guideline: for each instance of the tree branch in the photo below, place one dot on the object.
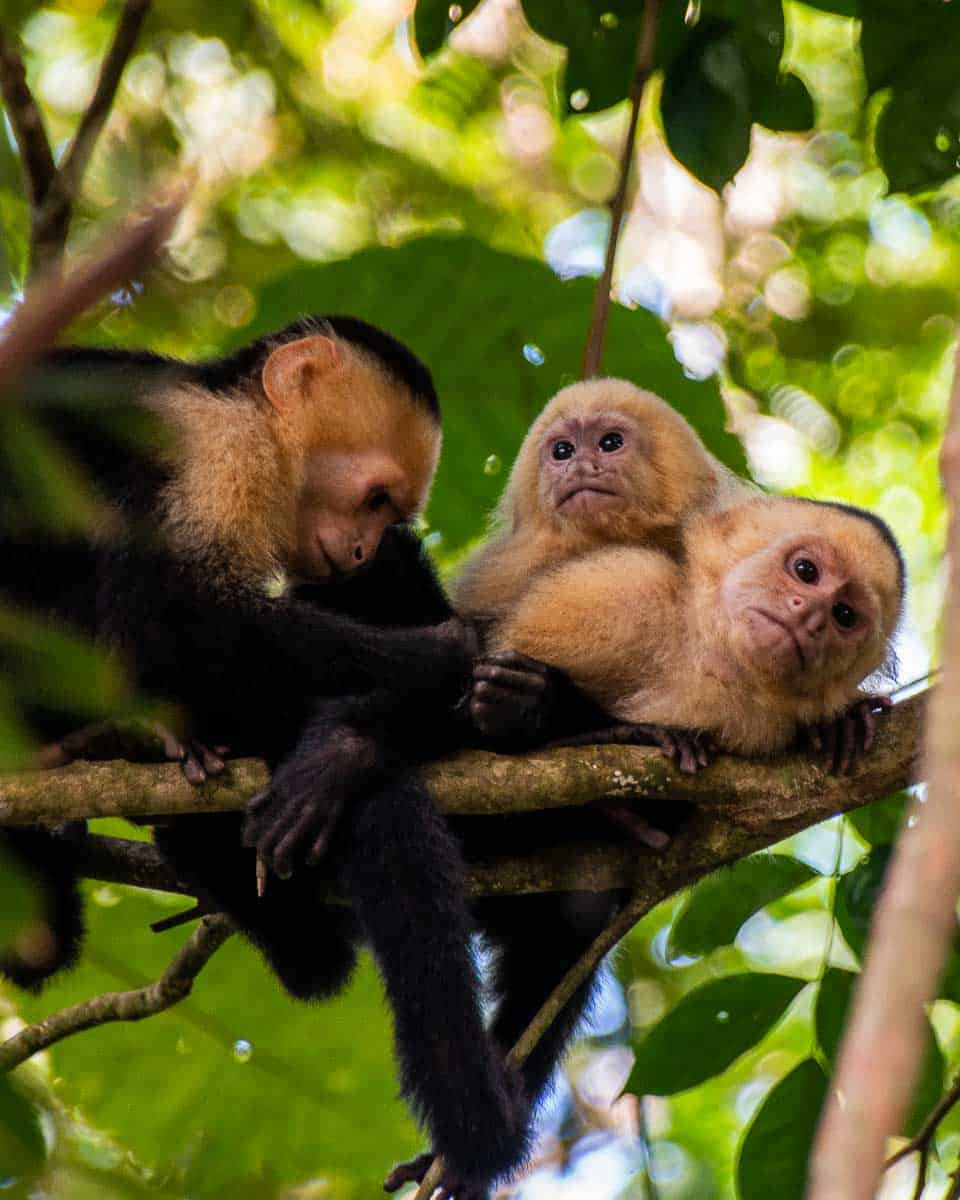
(646, 55)
(27, 124)
(54, 303)
(174, 985)
(775, 796)
(93, 120)
(52, 192)
(915, 922)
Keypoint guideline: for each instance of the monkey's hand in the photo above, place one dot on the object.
(512, 697)
(294, 819)
(842, 742)
(688, 748)
(135, 740)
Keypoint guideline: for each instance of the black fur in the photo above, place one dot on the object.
(252, 671)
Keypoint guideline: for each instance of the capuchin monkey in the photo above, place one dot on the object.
(261, 562)
(763, 634)
(605, 463)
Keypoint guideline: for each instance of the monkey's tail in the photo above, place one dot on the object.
(51, 941)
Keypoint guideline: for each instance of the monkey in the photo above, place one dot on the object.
(605, 463)
(265, 564)
(779, 611)
(763, 628)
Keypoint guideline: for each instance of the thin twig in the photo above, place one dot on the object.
(27, 124)
(174, 985)
(643, 68)
(51, 192)
(927, 1131)
(53, 303)
(98, 110)
(915, 923)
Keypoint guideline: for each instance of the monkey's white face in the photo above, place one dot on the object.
(347, 502)
(590, 465)
(798, 612)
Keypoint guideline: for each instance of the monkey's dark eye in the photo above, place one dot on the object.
(378, 500)
(562, 450)
(844, 616)
(611, 441)
(806, 571)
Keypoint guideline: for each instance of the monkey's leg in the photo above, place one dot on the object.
(538, 939)
(404, 873)
(47, 858)
(311, 945)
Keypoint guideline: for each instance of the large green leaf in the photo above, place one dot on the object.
(180, 1093)
(722, 71)
(857, 895)
(773, 1155)
(708, 1030)
(724, 77)
(715, 909)
(833, 1003)
(911, 49)
(880, 823)
(601, 39)
(501, 334)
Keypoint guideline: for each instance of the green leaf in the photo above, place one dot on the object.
(432, 23)
(912, 50)
(715, 909)
(773, 1156)
(880, 823)
(722, 77)
(601, 41)
(708, 1030)
(469, 311)
(317, 1095)
(833, 1003)
(857, 895)
(22, 1149)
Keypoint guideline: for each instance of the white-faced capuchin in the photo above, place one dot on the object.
(606, 463)
(266, 563)
(767, 628)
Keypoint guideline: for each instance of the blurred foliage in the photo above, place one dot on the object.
(444, 173)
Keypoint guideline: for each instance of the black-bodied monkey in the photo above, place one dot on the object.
(264, 561)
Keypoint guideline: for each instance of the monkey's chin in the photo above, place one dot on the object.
(586, 501)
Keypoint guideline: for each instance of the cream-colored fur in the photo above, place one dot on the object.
(678, 478)
(645, 635)
(238, 463)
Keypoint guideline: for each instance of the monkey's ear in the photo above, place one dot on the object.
(289, 368)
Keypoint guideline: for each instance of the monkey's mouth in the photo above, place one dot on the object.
(772, 620)
(585, 495)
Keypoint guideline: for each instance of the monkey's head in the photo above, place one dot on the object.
(333, 437)
(804, 597)
(362, 446)
(608, 459)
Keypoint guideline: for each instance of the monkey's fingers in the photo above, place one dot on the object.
(848, 727)
(630, 821)
(412, 1171)
(505, 678)
(315, 819)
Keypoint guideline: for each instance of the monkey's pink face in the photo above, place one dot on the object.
(798, 612)
(346, 504)
(592, 465)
